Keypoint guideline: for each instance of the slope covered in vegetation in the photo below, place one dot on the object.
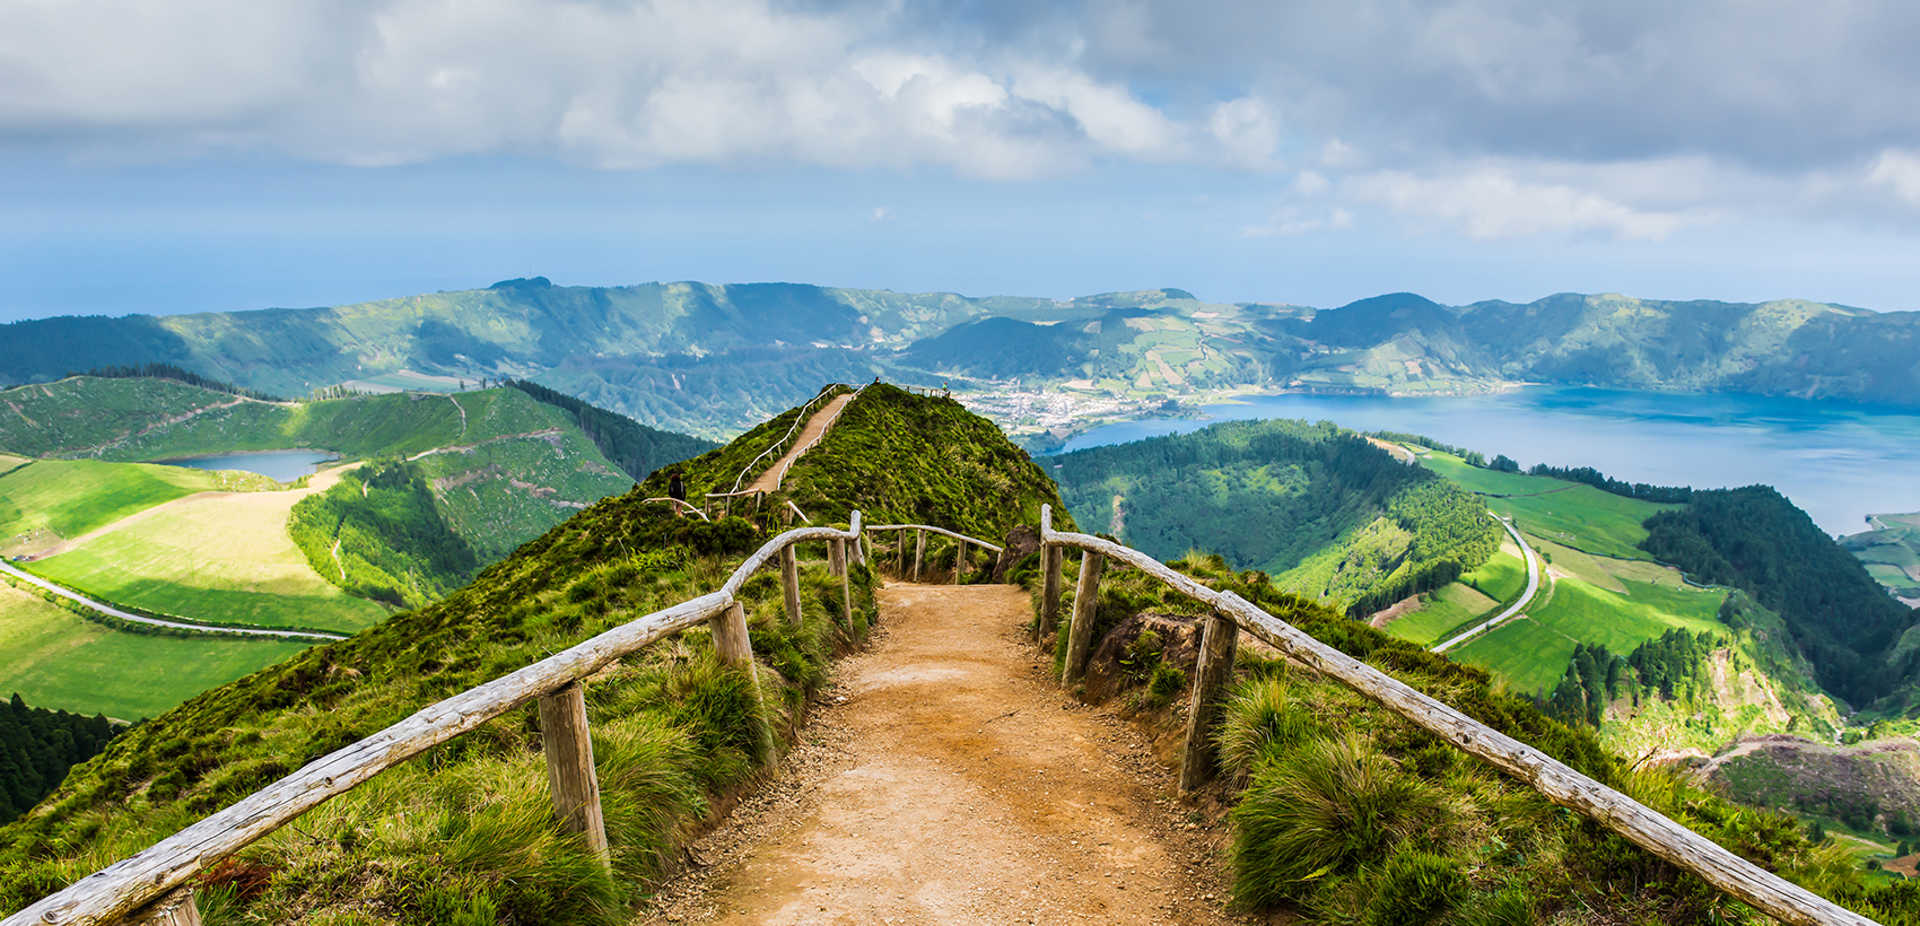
(1754, 539)
(464, 833)
(1343, 812)
(37, 746)
(1332, 515)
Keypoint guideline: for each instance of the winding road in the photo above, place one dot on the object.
(1533, 585)
(112, 611)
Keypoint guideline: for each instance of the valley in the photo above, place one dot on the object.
(467, 831)
(704, 358)
(330, 553)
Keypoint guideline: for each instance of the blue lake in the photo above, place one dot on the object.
(1840, 462)
(283, 465)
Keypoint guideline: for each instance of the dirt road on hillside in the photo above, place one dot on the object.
(946, 781)
(810, 434)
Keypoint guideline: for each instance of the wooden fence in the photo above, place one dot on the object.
(149, 886)
(1686, 849)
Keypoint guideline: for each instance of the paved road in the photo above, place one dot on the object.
(1533, 585)
(112, 611)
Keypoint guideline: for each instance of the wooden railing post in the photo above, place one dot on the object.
(730, 639)
(1086, 599)
(1214, 669)
(173, 909)
(919, 553)
(902, 570)
(846, 598)
(570, 774)
(1055, 557)
(735, 649)
(790, 583)
(959, 561)
(837, 556)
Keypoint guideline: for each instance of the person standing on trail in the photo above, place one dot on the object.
(676, 489)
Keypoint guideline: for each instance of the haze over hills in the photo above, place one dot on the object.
(702, 358)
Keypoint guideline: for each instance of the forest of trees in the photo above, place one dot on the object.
(1271, 494)
(635, 448)
(1754, 539)
(37, 746)
(177, 374)
(393, 544)
(1651, 493)
(1673, 667)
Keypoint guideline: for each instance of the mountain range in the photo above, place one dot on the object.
(709, 359)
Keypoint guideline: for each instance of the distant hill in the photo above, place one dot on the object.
(1332, 516)
(705, 358)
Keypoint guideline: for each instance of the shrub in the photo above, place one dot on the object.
(1324, 808)
(1415, 889)
(1260, 714)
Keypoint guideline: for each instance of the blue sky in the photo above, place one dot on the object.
(209, 155)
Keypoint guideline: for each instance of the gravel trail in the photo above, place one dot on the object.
(946, 780)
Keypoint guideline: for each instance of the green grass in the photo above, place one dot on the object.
(221, 558)
(1571, 513)
(1501, 578)
(57, 659)
(1443, 612)
(1531, 654)
(71, 497)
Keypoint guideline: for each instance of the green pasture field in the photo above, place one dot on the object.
(221, 558)
(1531, 653)
(72, 497)
(56, 659)
(1571, 513)
(1453, 607)
(1444, 611)
(1501, 578)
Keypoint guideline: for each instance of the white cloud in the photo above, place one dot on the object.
(1493, 202)
(1897, 172)
(1247, 130)
(609, 84)
(1291, 220)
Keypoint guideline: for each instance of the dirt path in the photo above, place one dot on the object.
(803, 442)
(946, 781)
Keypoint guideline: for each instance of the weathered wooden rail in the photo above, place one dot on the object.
(920, 547)
(148, 887)
(1652, 831)
(799, 424)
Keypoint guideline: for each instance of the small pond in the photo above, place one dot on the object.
(281, 465)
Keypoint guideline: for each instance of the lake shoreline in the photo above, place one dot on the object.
(1839, 461)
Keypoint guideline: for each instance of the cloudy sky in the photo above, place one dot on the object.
(183, 155)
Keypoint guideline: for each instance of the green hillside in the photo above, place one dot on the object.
(465, 828)
(483, 473)
(1329, 514)
(1342, 812)
(1754, 539)
(495, 468)
(1891, 552)
(704, 358)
